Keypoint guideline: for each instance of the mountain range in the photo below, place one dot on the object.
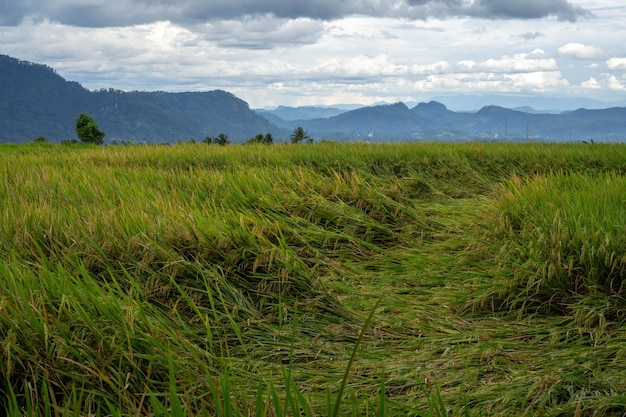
(434, 121)
(36, 101)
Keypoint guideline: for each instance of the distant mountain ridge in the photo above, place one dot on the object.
(36, 101)
(288, 113)
(434, 121)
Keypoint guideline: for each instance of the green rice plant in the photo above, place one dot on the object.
(195, 280)
(561, 240)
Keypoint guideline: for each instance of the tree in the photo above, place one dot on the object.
(299, 135)
(266, 139)
(221, 139)
(208, 140)
(257, 139)
(87, 130)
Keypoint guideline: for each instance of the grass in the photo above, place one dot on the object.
(405, 279)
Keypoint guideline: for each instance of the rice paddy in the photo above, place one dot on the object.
(317, 280)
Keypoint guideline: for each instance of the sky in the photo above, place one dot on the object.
(326, 52)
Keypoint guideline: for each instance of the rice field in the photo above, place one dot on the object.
(314, 280)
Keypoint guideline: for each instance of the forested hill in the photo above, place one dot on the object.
(36, 101)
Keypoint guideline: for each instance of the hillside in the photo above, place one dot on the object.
(498, 122)
(287, 113)
(36, 101)
(375, 123)
(433, 121)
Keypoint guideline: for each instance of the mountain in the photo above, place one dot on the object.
(434, 121)
(474, 102)
(495, 122)
(287, 113)
(388, 119)
(382, 122)
(36, 101)
(164, 117)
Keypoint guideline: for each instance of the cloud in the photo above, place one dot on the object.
(264, 32)
(580, 51)
(529, 36)
(501, 9)
(541, 81)
(518, 63)
(529, 9)
(592, 83)
(12, 12)
(606, 81)
(103, 13)
(616, 64)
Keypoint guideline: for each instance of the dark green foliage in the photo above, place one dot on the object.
(266, 139)
(35, 100)
(221, 139)
(87, 130)
(299, 135)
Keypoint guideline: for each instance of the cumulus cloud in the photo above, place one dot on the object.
(489, 82)
(580, 51)
(517, 63)
(296, 52)
(101, 13)
(616, 64)
(264, 32)
(605, 81)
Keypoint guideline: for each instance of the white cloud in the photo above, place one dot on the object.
(605, 81)
(488, 82)
(591, 83)
(439, 67)
(615, 84)
(520, 63)
(267, 59)
(616, 64)
(580, 51)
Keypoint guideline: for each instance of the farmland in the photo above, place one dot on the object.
(331, 279)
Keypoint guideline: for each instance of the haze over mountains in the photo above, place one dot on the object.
(36, 101)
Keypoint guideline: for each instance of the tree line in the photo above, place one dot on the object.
(88, 132)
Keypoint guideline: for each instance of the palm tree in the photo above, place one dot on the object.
(268, 139)
(299, 135)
